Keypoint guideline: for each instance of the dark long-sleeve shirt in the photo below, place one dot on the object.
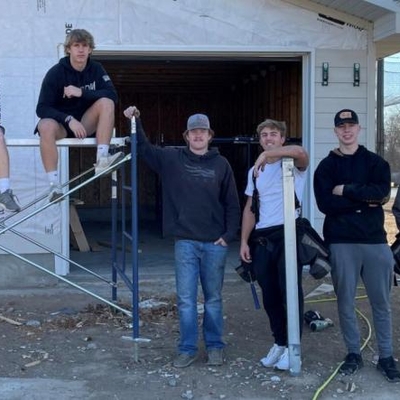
(356, 216)
(200, 200)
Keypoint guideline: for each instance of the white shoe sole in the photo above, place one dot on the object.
(114, 160)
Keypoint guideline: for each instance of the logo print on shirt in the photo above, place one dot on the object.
(199, 172)
(89, 86)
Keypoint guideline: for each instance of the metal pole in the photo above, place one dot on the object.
(41, 208)
(380, 104)
(57, 254)
(114, 223)
(45, 195)
(292, 299)
(134, 238)
(114, 219)
(116, 306)
(134, 233)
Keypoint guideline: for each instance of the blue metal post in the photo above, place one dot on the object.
(134, 217)
(114, 219)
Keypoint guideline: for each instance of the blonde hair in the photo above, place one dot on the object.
(271, 123)
(78, 36)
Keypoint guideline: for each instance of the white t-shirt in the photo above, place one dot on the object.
(270, 187)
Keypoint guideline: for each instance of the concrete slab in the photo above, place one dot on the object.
(42, 389)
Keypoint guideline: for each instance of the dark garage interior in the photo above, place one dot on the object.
(236, 94)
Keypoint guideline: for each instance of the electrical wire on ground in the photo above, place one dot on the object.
(366, 340)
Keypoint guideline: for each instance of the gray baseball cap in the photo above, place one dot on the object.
(198, 121)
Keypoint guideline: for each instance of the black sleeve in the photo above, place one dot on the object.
(151, 154)
(327, 202)
(230, 200)
(377, 189)
(51, 91)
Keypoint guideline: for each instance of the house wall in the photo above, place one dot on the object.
(33, 30)
(338, 94)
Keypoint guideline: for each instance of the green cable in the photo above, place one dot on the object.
(334, 373)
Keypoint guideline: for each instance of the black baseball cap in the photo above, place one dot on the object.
(344, 116)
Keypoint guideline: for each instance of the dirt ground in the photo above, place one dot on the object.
(59, 343)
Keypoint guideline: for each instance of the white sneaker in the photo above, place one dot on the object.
(283, 362)
(273, 356)
(55, 192)
(106, 162)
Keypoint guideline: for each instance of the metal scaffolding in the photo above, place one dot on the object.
(130, 236)
(118, 268)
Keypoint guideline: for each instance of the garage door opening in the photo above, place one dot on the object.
(236, 94)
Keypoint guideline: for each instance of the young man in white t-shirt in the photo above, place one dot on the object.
(268, 250)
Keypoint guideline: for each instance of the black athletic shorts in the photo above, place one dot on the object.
(70, 134)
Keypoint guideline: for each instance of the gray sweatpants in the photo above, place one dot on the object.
(374, 263)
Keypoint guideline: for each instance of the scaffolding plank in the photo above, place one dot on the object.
(77, 232)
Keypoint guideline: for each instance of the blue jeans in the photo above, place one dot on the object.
(204, 260)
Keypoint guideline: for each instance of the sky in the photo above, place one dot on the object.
(392, 79)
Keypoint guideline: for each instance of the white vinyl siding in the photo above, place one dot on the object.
(340, 93)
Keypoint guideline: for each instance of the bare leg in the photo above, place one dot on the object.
(50, 131)
(99, 118)
(4, 158)
(7, 199)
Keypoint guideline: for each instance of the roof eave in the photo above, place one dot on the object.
(386, 35)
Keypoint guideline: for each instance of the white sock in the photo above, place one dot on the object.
(102, 150)
(52, 176)
(4, 184)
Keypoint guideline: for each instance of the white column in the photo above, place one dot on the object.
(292, 300)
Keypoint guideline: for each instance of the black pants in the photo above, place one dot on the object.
(269, 268)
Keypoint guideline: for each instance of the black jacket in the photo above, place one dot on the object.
(357, 216)
(93, 80)
(200, 200)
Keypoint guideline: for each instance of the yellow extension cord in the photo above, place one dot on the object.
(326, 383)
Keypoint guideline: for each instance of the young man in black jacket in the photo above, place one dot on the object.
(77, 99)
(350, 185)
(201, 211)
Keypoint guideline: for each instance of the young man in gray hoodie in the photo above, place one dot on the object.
(201, 211)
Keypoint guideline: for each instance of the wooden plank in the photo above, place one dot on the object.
(77, 234)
